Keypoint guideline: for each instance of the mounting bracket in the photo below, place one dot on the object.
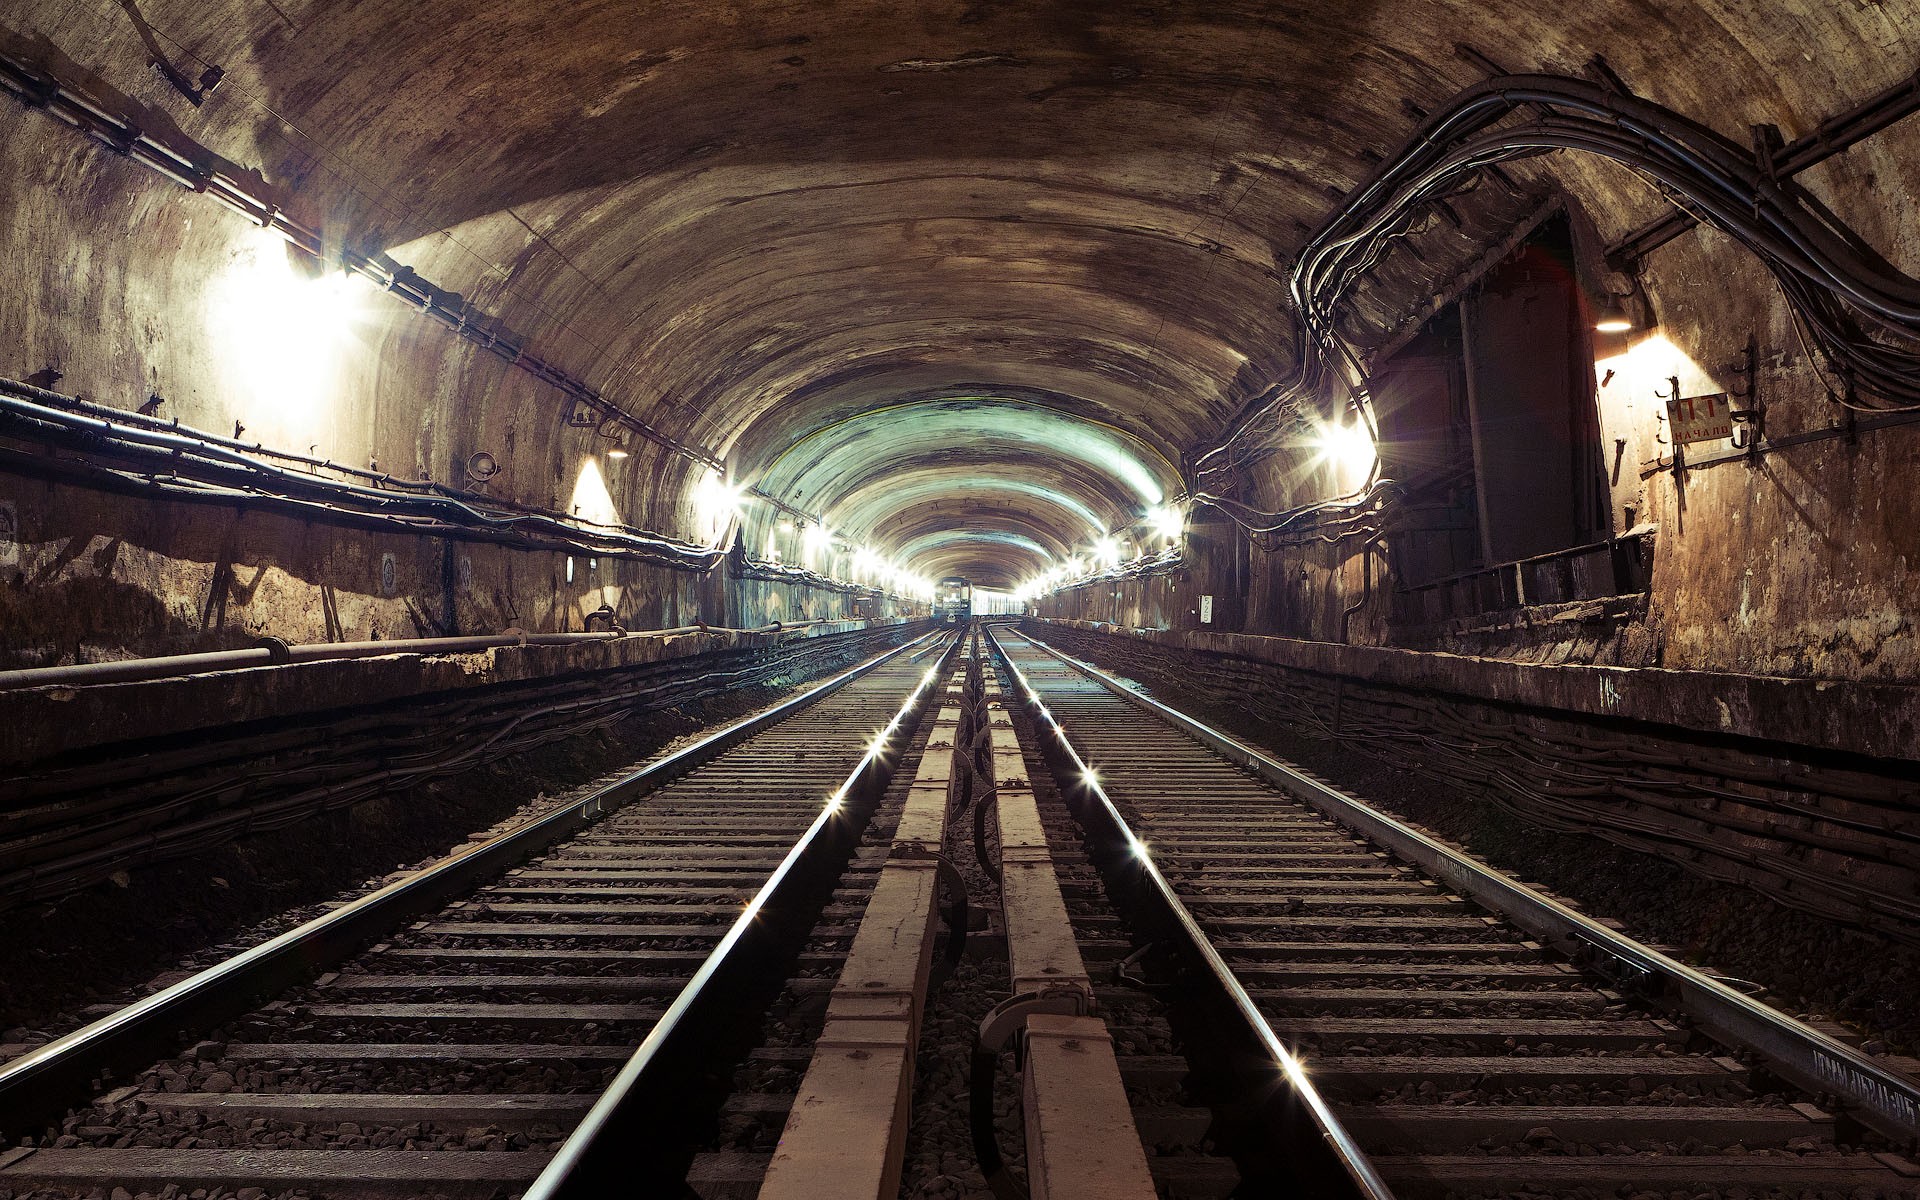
(1750, 414)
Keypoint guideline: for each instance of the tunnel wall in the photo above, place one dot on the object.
(1789, 787)
(92, 577)
(1797, 562)
(1800, 565)
(134, 289)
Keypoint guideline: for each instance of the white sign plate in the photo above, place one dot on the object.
(1206, 610)
(1699, 419)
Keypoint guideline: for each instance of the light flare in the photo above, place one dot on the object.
(283, 335)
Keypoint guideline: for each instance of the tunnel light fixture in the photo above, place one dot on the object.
(1106, 551)
(1168, 521)
(1613, 317)
(1347, 445)
(619, 440)
(284, 336)
(717, 500)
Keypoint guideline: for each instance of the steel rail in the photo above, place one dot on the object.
(1882, 1099)
(1365, 1181)
(61, 1071)
(595, 1156)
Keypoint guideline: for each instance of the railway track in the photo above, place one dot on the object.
(1431, 1025)
(500, 1010)
(833, 1102)
(1189, 972)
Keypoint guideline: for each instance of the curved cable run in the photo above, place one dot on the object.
(1859, 312)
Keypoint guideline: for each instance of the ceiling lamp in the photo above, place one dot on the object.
(1613, 317)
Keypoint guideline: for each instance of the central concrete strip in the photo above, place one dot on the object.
(845, 1136)
(1082, 1141)
(1082, 1135)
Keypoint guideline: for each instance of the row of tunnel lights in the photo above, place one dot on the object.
(718, 501)
(1347, 446)
(1165, 523)
(266, 286)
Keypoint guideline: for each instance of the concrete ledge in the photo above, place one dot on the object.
(1876, 719)
(47, 721)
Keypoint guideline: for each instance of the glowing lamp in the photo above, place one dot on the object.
(1613, 318)
(1350, 447)
(717, 500)
(1168, 522)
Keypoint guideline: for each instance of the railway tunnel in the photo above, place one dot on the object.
(485, 488)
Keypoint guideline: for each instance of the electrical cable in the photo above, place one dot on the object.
(1836, 285)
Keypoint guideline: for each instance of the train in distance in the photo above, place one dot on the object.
(953, 601)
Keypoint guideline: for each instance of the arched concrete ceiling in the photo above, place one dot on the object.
(996, 484)
(907, 265)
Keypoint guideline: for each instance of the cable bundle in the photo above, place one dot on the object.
(1860, 313)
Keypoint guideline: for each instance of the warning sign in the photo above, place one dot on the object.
(1699, 419)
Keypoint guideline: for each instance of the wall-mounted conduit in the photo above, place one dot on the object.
(1859, 312)
(198, 169)
(127, 453)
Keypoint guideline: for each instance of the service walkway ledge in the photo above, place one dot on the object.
(845, 1137)
(1082, 1143)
